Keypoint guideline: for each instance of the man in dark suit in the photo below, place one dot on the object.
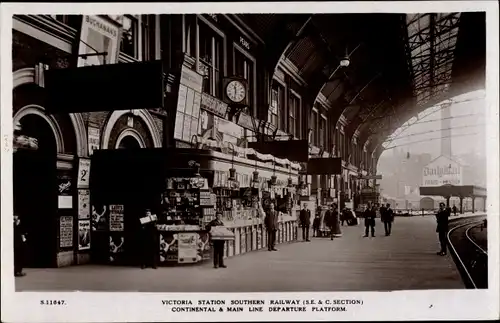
(271, 223)
(387, 216)
(442, 227)
(305, 222)
(149, 244)
(370, 215)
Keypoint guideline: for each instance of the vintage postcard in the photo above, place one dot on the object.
(288, 161)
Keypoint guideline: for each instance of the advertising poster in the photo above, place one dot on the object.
(99, 221)
(66, 231)
(64, 198)
(168, 247)
(94, 141)
(116, 221)
(83, 204)
(243, 240)
(204, 249)
(441, 171)
(84, 235)
(83, 173)
(116, 246)
(188, 247)
(98, 35)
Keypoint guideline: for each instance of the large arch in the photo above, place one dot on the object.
(143, 114)
(51, 121)
(130, 133)
(27, 76)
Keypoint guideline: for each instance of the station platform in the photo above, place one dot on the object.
(406, 260)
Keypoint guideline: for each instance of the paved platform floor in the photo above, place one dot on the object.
(405, 260)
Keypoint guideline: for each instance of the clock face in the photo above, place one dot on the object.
(236, 91)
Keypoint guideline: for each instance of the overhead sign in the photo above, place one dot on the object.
(99, 38)
(324, 166)
(442, 171)
(105, 87)
(293, 150)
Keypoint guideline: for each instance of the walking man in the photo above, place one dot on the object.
(370, 220)
(387, 217)
(305, 222)
(271, 223)
(442, 227)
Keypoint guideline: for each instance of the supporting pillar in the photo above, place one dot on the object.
(473, 204)
(484, 204)
(461, 205)
(447, 201)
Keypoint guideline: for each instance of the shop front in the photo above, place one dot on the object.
(184, 188)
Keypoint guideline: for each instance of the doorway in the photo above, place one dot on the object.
(35, 192)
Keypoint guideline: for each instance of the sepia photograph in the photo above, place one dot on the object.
(264, 160)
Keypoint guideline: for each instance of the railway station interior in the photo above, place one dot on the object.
(188, 115)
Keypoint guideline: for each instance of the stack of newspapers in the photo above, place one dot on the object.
(221, 233)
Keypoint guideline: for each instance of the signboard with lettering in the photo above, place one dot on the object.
(247, 122)
(98, 36)
(65, 231)
(84, 235)
(191, 79)
(83, 173)
(442, 171)
(116, 222)
(65, 197)
(213, 105)
(93, 139)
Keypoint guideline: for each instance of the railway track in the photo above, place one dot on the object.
(470, 257)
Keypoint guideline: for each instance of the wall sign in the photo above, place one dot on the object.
(188, 247)
(98, 35)
(246, 121)
(442, 171)
(65, 231)
(65, 198)
(116, 221)
(191, 79)
(244, 43)
(84, 235)
(83, 204)
(213, 105)
(83, 173)
(94, 140)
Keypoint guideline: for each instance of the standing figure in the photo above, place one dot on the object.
(454, 210)
(217, 244)
(19, 240)
(305, 222)
(387, 217)
(370, 215)
(271, 223)
(442, 227)
(332, 221)
(149, 245)
(316, 225)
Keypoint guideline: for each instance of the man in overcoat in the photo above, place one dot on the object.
(271, 223)
(305, 222)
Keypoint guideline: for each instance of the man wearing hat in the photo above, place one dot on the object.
(442, 227)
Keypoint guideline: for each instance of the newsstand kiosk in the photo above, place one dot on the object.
(169, 183)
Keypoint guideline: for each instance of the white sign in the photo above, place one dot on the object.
(94, 140)
(116, 221)
(83, 173)
(187, 247)
(98, 36)
(442, 171)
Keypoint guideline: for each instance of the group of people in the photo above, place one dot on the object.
(331, 220)
(386, 216)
